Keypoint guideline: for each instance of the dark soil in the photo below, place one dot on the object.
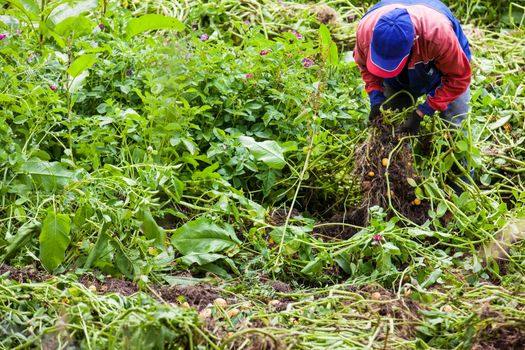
(27, 274)
(501, 336)
(198, 296)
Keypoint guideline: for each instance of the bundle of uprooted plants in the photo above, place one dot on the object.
(384, 164)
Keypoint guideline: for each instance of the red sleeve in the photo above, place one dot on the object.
(372, 82)
(455, 70)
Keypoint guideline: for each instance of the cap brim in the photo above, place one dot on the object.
(389, 67)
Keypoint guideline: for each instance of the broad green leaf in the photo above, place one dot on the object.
(10, 21)
(200, 259)
(100, 248)
(203, 236)
(54, 240)
(152, 231)
(324, 40)
(48, 175)
(123, 261)
(334, 54)
(151, 22)
(74, 27)
(24, 233)
(81, 64)
(71, 9)
(344, 263)
(392, 248)
(217, 270)
(268, 152)
(432, 278)
(500, 122)
(30, 7)
(411, 182)
(314, 267)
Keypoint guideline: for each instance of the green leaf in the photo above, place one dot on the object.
(151, 22)
(485, 179)
(462, 146)
(30, 7)
(54, 240)
(71, 9)
(500, 122)
(203, 236)
(268, 152)
(324, 40)
(411, 182)
(391, 248)
(48, 175)
(24, 233)
(74, 27)
(100, 249)
(151, 230)
(81, 64)
(200, 259)
(432, 278)
(314, 267)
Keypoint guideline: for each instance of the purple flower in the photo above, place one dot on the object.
(53, 87)
(204, 37)
(297, 34)
(249, 76)
(3, 36)
(101, 26)
(377, 238)
(129, 72)
(307, 62)
(247, 22)
(264, 52)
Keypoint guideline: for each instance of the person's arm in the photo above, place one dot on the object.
(455, 70)
(373, 84)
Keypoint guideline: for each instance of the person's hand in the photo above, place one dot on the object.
(411, 125)
(375, 112)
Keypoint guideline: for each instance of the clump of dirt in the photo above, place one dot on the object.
(509, 336)
(110, 285)
(26, 274)
(198, 296)
(325, 14)
(384, 166)
(280, 287)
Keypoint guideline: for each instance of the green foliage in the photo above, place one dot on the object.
(134, 146)
(54, 239)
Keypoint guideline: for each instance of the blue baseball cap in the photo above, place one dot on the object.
(392, 40)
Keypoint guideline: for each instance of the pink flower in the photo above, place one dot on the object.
(377, 238)
(53, 87)
(307, 62)
(265, 52)
(249, 76)
(297, 34)
(3, 36)
(204, 37)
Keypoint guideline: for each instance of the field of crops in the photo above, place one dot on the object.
(202, 175)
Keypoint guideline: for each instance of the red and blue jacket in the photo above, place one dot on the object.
(439, 66)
